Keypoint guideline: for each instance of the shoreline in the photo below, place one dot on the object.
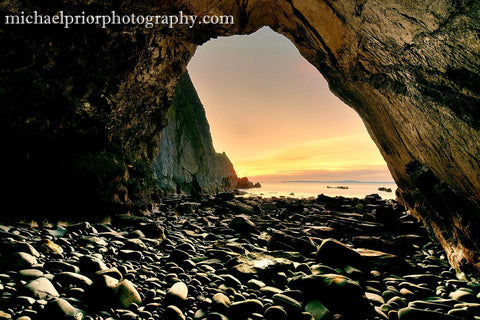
(313, 189)
(225, 257)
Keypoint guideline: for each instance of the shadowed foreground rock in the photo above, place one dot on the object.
(83, 108)
(202, 266)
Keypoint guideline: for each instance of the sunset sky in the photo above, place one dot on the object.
(274, 116)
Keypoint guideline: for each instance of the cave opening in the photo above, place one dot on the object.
(274, 116)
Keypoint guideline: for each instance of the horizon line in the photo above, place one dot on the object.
(331, 181)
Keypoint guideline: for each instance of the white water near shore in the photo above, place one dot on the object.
(304, 189)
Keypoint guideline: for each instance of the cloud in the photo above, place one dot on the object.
(372, 173)
(340, 154)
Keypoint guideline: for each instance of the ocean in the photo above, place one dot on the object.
(305, 189)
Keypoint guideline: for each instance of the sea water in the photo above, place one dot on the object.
(305, 189)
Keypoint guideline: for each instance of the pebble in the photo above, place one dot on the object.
(49, 247)
(178, 292)
(336, 254)
(74, 279)
(173, 313)
(463, 295)
(221, 302)
(232, 258)
(241, 223)
(4, 315)
(27, 274)
(246, 308)
(127, 294)
(62, 266)
(276, 313)
(20, 260)
(288, 303)
(41, 288)
(417, 314)
(62, 309)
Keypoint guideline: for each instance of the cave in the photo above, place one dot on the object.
(83, 108)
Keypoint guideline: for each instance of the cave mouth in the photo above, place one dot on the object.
(274, 115)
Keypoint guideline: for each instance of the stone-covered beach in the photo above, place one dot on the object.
(224, 257)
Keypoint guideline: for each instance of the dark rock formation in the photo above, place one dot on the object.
(187, 161)
(82, 109)
(244, 183)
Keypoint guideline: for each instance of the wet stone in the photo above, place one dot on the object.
(60, 266)
(177, 293)
(173, 313)
(49, 247)
(90, 265)
(62, 309)
(25, 300)
(221, 302)
(41, 288)
(255, 284)
(336, 254)
(216, 316)
(130, 255)
(246, 307)
(242, 223)
(28, 274)
(127, 294)
(290, 304)
(464, 295)
(275, 313)
(20, 260)
(417, 314)
(74, 279)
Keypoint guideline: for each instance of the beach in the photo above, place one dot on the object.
(224, 257)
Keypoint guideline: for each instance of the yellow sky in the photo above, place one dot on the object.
(274, 116)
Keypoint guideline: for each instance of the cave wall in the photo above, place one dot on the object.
(187, 161)
(83, 108)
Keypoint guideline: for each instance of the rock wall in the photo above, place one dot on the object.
(186, 160)
(83, 108)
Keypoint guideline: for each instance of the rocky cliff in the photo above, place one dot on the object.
(186, 160)
(83, 108)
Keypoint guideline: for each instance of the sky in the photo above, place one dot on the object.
(272, 113)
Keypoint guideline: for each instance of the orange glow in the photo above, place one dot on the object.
(274, 116)
(334, 154)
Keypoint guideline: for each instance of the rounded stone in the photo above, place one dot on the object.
(27, 274)
(246, 307)
(418, 314)
(75, 279)
(127, 294)
(216, 316)
(287, 302)
(20, 260)
(41, 288)
(275, 313)
(62, 309)
(221, 301)
(173, 313)
(336, 254)
(178, 292)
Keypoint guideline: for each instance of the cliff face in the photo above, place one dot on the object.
(83, 108)
(186, 155)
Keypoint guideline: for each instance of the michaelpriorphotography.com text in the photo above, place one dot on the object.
(112, 18)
